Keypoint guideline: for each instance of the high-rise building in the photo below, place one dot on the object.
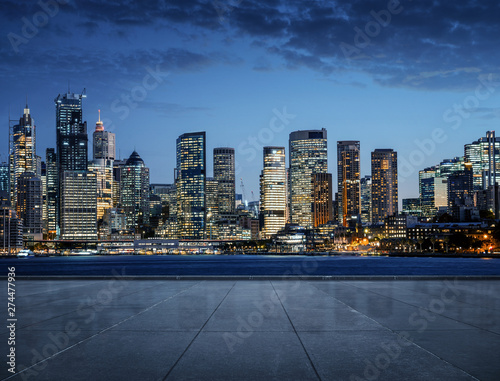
(102, 166)
(11, 227)
(224, 175)
(308, 156)
(484, 154)
(384, 184)
(134, 191)
(460, 189)
(71, 155)
(71, 133)
(104, 146)
(51, 183)
(273, 186)
(23, 155)
(322, 206)
(190, 182)
(348, 173)
(117, 173)
(434, 195)
(78, 203)
(212, 206)
(29, 205)
(4, 177)
(366, 200)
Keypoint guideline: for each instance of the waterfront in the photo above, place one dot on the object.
(252, 265)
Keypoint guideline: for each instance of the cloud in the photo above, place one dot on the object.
(425, 44)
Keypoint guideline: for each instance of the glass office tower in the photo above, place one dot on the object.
(190, 182)
(308, 156)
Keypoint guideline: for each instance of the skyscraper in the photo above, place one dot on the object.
(366, 200)
(384, 184)
(308, 156)
(348, 174)
(23, 153)
(224, 175)
(4, 177)
(322, 198)
(482, 154)
(190, 182)
(103, 142)
(51, 192)
(273, 191)
(78, 219)
(102, 166)
(71, 133)
(29, 205)
(72, 156)
(134, 191)
(212, 206)
(460, 189)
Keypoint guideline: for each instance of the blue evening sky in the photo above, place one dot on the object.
(230, 68)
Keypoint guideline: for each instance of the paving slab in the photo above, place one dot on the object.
(263, 329)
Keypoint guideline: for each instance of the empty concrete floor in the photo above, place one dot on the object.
(256, 330)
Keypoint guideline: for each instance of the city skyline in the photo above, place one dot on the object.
(235, 71)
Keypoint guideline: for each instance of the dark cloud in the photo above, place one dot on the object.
(426, 44)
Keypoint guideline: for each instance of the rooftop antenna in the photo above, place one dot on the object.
(68, 87)
(26, 100)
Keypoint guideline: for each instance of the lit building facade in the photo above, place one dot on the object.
(71, 155)
(51, 183)
(190, 182)
(308, 155)
(348, 173)
(11, 227)
(78, 205)
(411, 207)
(104, 144)
(30, 205)
(225, 177)
(384, 192)
(484, 154)
(4, 177)
(434, 195)
(322, 206)
(366, 200)
(134, 191)
(23, 155)
(102, 166)
(212, 206)
(273, 186)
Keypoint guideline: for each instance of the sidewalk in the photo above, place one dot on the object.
(256, 330)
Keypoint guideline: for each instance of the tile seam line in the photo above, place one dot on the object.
(425, 308)
(88, 306)
(437, 296)
(98, 333)
(395, 333)
(198, 333)
(296, 334)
